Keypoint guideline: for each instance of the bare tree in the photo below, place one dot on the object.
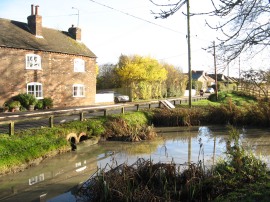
(244, 24)
(246, 28)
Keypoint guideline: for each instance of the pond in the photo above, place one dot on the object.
(64, 173)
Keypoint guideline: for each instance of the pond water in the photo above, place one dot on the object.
(63, 173)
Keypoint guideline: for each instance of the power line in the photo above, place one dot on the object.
(150, 22)
(136, 17)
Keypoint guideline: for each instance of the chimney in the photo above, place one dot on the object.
(75, 33)
(35, 22)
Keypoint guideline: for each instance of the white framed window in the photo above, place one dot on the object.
(35, 89)
(79, 65)
(32, 61)
(78, 90)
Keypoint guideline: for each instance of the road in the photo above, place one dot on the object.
(24, 120)
(40, 118)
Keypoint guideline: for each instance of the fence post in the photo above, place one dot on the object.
(81, 116)
(51, 121)
(123, 110)
(11, 128)
(137, 107)
(149, 106)
(105, 112)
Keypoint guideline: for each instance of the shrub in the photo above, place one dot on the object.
(47, 103)
(212, 97)
(13, 104)
(26, 99)
(177, 117)
(39, 104)
(240, 169)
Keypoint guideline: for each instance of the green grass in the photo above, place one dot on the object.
(21, 149)
(231, 107)
(27, 145)
(133, 118)
(239, 99)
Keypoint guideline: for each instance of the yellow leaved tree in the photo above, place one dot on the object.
(144, 75)
(176, 81)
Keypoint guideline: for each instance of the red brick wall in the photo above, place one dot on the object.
(57, 76)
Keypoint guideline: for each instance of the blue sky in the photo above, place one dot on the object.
(124, 27)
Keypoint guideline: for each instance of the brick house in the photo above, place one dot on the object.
(45, 62)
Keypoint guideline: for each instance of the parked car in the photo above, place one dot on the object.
(116, 96)
(120, 98)
(210, 90)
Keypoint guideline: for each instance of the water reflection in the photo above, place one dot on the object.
(36, 179)
(64, 172)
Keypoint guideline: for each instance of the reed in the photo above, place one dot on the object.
(148, 181)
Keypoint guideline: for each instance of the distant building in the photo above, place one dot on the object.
(45, 62)
(203, 78)
(223, 78)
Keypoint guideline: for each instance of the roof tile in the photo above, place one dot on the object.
(14, 34)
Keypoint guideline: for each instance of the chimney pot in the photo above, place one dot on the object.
(32, 9)
(36, 10)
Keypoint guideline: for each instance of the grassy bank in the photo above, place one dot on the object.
(29, 147)
(231, 108)
(26, 146)
(223, 182)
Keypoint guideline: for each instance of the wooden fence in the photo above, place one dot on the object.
(254, 91)
(11, 119)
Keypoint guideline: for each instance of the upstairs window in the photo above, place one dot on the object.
(78, 90)
(35, 89)
(79, 65)
(33, 61)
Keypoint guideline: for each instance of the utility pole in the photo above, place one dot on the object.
(239, 75)
(189, 55)
(215, 66)
(228, 72)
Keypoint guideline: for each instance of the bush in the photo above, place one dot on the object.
(13, 104)
(177, 117)
(39, 104)
(47, 103)
(26, 99)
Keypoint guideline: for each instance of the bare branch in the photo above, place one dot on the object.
(244, 24)
(173, 8)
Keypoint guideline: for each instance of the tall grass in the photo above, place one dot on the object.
(230, 110)
(230, 180)
(129, 127)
